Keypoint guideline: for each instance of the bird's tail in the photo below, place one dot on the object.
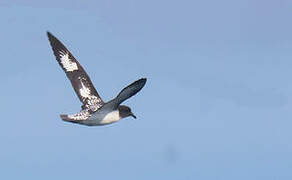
(77, 117)
(65, 117)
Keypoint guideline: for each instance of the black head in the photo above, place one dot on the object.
(125, 111)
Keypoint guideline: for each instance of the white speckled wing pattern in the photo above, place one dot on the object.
(68, 64)
(79, 79)
(92, 102)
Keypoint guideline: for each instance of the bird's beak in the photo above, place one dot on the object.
(133, 116)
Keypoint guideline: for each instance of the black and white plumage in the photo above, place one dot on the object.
(94, 110)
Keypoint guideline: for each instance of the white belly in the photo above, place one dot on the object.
(111, 117)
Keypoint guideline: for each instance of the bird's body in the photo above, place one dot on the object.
(95, 112)
(103, 116)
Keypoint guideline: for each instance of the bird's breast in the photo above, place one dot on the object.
(111, 117)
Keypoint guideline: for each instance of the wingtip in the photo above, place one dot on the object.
(49, 34)
(140, 83)
(143, 79)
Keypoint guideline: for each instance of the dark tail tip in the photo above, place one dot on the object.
(64, 117)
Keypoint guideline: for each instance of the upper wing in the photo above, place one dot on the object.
(130, 91)
(78, 77)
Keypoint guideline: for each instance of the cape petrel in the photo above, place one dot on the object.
(94, 111)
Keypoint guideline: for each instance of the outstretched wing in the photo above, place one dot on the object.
(130, 91)
(77, 75)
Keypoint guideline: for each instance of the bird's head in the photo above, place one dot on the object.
(125, 111)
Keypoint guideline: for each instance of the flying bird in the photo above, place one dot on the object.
(94, 111)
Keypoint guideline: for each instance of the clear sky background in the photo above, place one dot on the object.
(217, 104)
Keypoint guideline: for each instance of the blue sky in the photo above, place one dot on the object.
(217, 104)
